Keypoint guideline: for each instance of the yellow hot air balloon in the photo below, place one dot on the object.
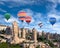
(22, 15)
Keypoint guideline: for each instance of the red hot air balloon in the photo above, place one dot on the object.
(28, 19)
(22, 15)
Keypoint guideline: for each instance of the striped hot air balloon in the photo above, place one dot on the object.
(22, 15)
(40, 24)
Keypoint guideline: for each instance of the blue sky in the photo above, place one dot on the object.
(40, 10)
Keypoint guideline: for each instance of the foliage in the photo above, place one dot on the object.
(55, 40)
(6, 45)
(41, 38)
(50, 43)
(14, 46)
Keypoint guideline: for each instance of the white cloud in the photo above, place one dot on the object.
(2, 3)
(34, 15)
(53, 6)
(53, 29)
(12, 19)
(54, 1)
(21, 1)
(54, 15)
(49, 28)
(58, 1)
(28, 11)
(2, 10)
(56, 27)
(16, 3)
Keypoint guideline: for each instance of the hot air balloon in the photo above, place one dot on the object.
(40, 25)
(52, 20)
(7, 16)
(28, 19)
(22, 15)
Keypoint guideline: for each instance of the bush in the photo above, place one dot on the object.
(6, 45)
(41, 38)
(50, 43)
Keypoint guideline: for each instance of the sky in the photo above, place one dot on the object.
(39, 10)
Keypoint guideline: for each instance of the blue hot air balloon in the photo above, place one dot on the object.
(52, 20)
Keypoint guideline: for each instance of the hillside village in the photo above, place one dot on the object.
(27, 38)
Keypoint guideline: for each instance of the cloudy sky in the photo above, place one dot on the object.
(39, 10)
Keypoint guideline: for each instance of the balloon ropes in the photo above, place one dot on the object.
(21, 15)
(7, 16)
(52, 20)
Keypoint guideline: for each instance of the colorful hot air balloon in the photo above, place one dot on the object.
(52, 20)
(7, 16)
(28, 19)
(22, 15)
(40, 25)
(22, 18)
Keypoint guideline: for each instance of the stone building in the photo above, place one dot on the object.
(3, 27)
(34, 34)
(16, 32)
(19, 37)
(8, 31)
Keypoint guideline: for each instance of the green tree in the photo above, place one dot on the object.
(41, 38)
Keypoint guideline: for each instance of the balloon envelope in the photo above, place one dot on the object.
(40, 24)
(7, 16)
(22, 18)
(21, 14)
(28, 19)
(52, 20)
